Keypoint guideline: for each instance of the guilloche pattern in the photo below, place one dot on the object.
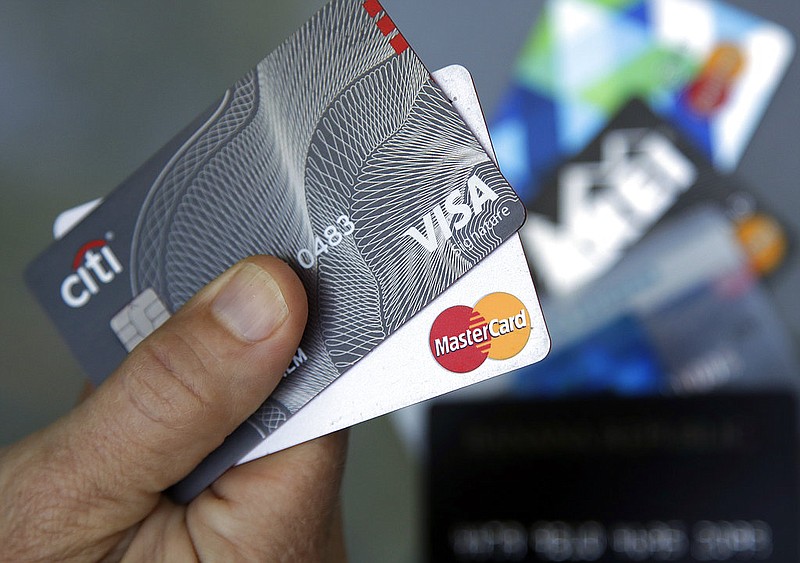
(333, 123)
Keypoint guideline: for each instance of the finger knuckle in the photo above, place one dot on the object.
(168, 383)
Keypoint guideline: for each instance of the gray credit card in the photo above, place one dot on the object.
(337, 153)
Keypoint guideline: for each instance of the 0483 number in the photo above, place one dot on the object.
(331, 237)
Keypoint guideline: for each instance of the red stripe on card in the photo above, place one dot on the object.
(372, 7)
(398, 43)
(386, 25)
(78, 260)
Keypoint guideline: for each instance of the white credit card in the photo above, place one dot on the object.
(404, 369)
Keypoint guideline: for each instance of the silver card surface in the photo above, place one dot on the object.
(337, 153)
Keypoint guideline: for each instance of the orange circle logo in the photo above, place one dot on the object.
(462, 337)
(764, 242)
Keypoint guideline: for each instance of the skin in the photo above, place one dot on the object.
(88, 487)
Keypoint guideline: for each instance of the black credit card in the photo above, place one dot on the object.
(636, 173)
(712, 478)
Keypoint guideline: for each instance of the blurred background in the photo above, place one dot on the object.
(89, 90)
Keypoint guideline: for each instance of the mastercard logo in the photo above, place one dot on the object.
(764, 240)
(715, 81)
(497, 327)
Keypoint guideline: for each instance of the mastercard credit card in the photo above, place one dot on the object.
(338, 153)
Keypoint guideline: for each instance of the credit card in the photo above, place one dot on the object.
(638, 171)
(337, 153)
(708, 68)
(361, 394)
(681, 313)
(725, 335)
(706, 478)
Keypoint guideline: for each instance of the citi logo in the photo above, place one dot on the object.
(455, 216)
(95, 264)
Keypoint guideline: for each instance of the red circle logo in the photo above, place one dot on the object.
(462, 337)
(452, 339)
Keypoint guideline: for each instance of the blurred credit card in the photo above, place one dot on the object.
(725, 335)
(683, 312)
(711, 478)
(708, 68)
(636, 173)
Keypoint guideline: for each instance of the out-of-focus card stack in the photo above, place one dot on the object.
(340, 154)
(650, 263)
(617, 128)
(708, 68)
(669, 299)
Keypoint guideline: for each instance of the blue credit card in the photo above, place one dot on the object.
(721, 335)
(708, 68)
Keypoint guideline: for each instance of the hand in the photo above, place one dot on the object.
(89, 487)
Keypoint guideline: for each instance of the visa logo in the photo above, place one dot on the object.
(94, 264)
(605, 207)
(454, 216)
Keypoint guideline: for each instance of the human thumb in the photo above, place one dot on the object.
(174, 400)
